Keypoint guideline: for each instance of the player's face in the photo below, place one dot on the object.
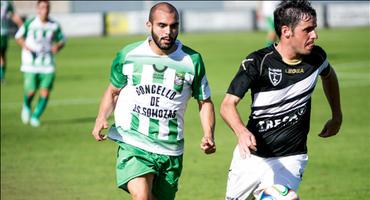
(304, 36)
(43, 9)
(164, 29)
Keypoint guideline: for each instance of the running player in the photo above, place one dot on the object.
(40, 38)
(272, 147)
(150, 84)
(7, 12)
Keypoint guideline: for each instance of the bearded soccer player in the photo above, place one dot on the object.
(150, 84)
(272, 146)
(40, 38)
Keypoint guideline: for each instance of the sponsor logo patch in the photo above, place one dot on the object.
(179, 79)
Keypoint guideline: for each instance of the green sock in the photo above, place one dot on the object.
(40, 107)
(2, 72)
(27, 101)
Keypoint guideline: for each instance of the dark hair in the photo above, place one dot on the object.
(167, 6)
(291, 12)
(40, 1)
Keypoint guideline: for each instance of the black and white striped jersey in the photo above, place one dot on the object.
(281, 98)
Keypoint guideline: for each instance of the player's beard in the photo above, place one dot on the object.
(157, 41)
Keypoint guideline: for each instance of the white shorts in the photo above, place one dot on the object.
(247, 177)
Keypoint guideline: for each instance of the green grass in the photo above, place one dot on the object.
(60, 160)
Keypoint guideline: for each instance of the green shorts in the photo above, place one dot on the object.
(32, 81)
(3, 43)
(133, 162)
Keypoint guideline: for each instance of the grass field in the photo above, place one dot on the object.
(60, 160)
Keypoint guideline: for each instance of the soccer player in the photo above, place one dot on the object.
(150, 84)
(40, 38)
(272, 146)
(266, 12)
(7, 11)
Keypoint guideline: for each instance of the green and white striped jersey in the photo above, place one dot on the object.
(39, 37)
(6, 10)
(149, 113)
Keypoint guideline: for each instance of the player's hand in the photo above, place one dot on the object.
(100, 124)
(54, 49)
(331, 128)
(246, 142)
(208, 145)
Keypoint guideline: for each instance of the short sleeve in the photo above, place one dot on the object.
(59, 36)
(23, 30)
(322, 57)
(200, 87)
(244, 78)
(117, 78)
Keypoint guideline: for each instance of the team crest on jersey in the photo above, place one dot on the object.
(179, 79)
(275, 76)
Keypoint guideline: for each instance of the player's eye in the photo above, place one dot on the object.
(174, 26)
(162, 25)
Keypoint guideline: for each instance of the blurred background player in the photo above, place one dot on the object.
(151, 82)
(265, 11)
(40, 38)
(272, 147)
(7, 12)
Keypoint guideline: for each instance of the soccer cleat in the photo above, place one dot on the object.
(25, 115)
(35, 122)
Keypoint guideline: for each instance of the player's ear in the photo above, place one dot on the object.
(149, 25)
(286, 32)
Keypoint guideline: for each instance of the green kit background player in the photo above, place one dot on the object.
(150, 84)
(40, 38)
(7, 12)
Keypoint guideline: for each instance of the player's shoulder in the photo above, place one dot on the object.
(190, 51)
(318, 53)
(194, 55)
(257, 56)
(128, 48)
(53, 21)
(29, 21)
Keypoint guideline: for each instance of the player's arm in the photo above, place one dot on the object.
(58, 40)
(21, 42)
(17, 19)
(106, 107)
(207, 118)
(230, 114)
(56, 47)
(331, 90)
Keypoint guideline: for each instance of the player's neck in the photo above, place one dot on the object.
(287, 53)
(43, 19)
(160, 51)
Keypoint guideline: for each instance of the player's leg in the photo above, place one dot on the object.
(46, 84)
(3, 48)
(30, 85)
(244, 176)
(140, 188)
(271, 35)
(286, 171)
(135, 171)
(165, 184)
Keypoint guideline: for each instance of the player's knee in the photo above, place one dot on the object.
(140, 195)
(30, 93)
(44, 93)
